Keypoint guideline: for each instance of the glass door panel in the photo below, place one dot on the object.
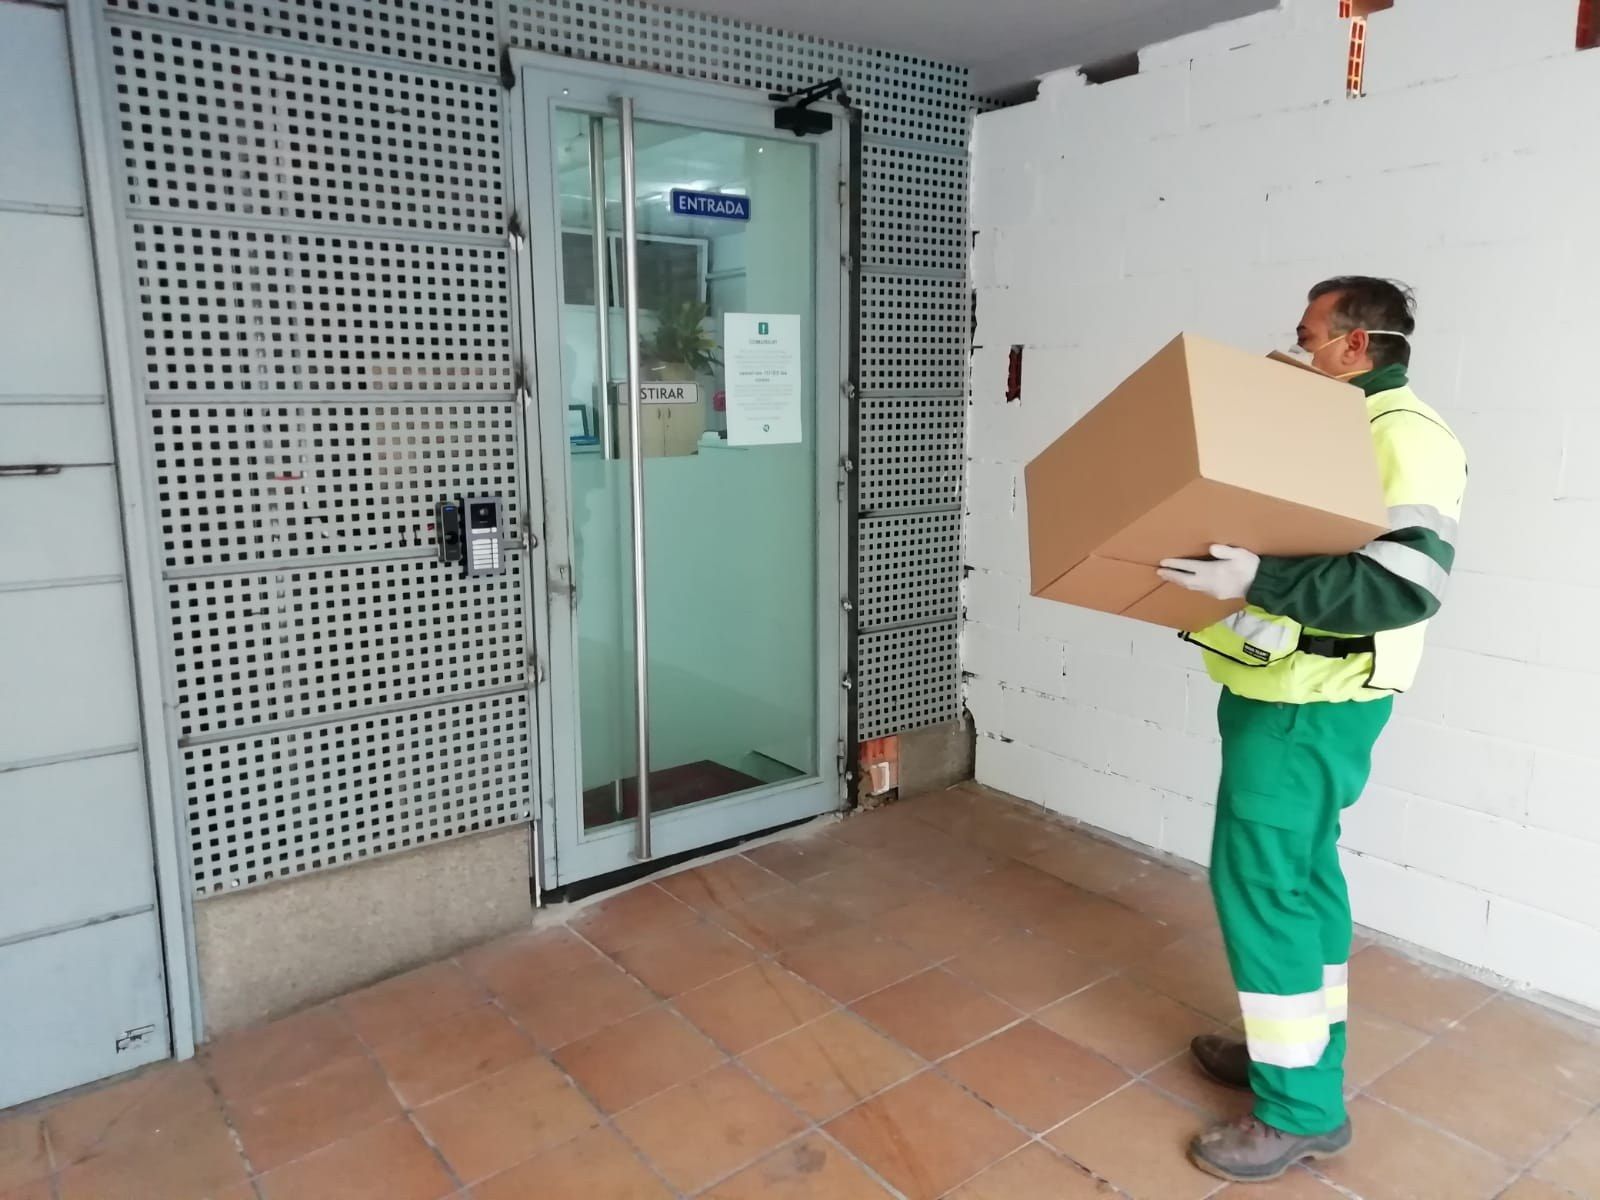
(740, 523)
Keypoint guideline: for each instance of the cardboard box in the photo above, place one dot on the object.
(1203, 444)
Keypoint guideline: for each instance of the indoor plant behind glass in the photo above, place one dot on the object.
(681, 349)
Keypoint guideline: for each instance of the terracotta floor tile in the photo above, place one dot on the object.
(1125, 1022)
(191, 1158)
(709, 1127)
(630, 917)
(1022, 895)
(782, 919)
(752, 1006)
(131, 1109)
(1138, 1140)
(1529, 1188)
(954, 806)
(314, 1111)
(1575, 1163)
(1193, 972)
(686, 958)
(1027, 971)
(513, 966)
(1397, 1158)
(1034, 1076)
(852, 963)
(452, 1053)
(1092, 865)
(831, 1064)
(1015, 835)
(1505, 1114)
(926, 1136)
(939, 859)
(1544, 1046)
(406, 1003)
(1416, 995)
(1183, 1080)
(1106, 931)
(802, 858)
(572, 1006)
(1033, 1173)
(599, 1165)
(935, 1014)
(253, 1060)
(722, 884)
(869, 889)
(1375, 1045)
(389, 1162)
(1170, 896)
(634, 1060)
(24, 1156)
(810, 1169)
(940, 926)
(1298, 1184)
(506, 1118)
(879, 828)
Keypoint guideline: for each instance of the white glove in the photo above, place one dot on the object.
(1226, 575)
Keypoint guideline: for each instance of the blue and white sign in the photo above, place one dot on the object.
(710, 204)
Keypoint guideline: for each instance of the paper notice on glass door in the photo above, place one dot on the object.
(764, 384)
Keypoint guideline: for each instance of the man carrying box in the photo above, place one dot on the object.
(1309, 672)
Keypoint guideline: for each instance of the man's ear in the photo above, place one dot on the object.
(1358, 343)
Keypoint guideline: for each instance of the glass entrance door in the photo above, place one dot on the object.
(684, 263)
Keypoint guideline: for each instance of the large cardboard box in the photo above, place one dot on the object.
(1204, 444)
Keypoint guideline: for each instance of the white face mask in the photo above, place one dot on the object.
(1309, 356)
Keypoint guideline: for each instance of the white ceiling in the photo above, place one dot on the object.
(1003, 42)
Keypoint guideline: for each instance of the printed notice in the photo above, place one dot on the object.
(764, 384)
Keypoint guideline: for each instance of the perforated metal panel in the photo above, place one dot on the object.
(240, 483)
(919, 569)
(319, 290)
(904, 671)
(222, 128)
(229, 308)
(456, 34)
(313, 643)
(303, 799)
(914, 319)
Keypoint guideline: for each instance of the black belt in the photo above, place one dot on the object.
(1336, 647)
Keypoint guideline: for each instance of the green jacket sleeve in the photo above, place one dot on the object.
(1390, 583)
(1399, 578)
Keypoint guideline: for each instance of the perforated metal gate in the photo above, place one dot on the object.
(312, 225)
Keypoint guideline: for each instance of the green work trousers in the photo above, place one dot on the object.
(1288, 771)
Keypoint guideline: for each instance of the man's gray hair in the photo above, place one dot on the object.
(1366, 302)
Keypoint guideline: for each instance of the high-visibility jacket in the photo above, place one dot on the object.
(1351, 626)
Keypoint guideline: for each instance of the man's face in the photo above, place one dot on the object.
(1332, 353)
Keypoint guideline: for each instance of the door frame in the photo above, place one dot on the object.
(564, 852)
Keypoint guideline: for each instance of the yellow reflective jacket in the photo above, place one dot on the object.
(1351, 627)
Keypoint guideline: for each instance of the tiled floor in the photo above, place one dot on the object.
(953, 997)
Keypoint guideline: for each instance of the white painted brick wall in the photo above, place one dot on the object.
(1207, 193)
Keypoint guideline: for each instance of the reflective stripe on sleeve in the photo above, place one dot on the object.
(1413, 566)
(1424, 516)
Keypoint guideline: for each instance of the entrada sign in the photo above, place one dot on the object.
(710, 204)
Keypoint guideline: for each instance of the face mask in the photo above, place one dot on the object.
(1309, 356)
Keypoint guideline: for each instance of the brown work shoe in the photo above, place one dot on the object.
(1248, 1151)
(1224, 1059)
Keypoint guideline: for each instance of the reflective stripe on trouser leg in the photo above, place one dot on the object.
(1336, 987)
(1286, 1031)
